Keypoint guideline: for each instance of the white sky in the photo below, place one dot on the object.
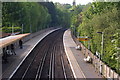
(71, 1)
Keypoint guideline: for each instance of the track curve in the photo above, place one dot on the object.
(46, 61)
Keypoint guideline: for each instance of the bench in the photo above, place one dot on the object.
(78, 47)
(88, 59)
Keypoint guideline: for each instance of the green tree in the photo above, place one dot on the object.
(31, 15)
(101, 17)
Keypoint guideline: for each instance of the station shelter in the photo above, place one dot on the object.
(7, 41)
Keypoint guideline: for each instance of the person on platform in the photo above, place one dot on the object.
(13, 49)
(8, 50)
(4, 57)
(20, 44)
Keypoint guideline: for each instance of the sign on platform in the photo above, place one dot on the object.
(83, 38)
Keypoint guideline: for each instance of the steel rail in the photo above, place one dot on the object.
(63, 66)
(33, 59)
(14, 72)
(51, 70)
(30, 65)
(53, 63)
(47, 56)
(39, 71)
(40, 67)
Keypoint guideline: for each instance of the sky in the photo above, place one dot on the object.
(83, 2)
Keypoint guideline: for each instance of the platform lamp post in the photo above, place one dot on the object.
(30, 27)
(89, 43)
(12, 30)
(22, 28)
(30, 23)
(102, 42)
(72, 30)
(21, 24)
(78, 34)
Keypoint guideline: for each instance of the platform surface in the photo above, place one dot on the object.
(80, 68)
(15, 60)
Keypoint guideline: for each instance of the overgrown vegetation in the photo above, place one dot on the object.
(86, 20)
(9, 29)
(101, 17)
(32, 16)
(63, 14)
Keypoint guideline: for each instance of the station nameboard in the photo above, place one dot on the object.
(83, 39)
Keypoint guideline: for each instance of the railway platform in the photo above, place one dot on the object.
(15, 60)
(79, 67)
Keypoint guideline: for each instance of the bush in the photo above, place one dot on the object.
(9, 29)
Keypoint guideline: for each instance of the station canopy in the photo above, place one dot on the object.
(11, 39)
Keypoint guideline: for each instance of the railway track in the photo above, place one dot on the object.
(46, 61)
